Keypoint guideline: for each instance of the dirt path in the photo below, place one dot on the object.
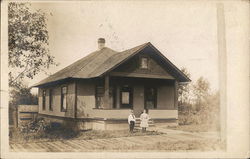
(112, 144)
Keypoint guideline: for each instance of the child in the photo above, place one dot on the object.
(144, 120)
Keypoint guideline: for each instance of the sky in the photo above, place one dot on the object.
(186, 33)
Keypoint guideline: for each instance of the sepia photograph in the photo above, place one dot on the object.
(122, 76)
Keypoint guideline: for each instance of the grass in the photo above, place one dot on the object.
(196, 128)
(168, 144)
(65, 134)
(97, 134)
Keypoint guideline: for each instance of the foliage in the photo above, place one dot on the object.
(201, 92)
(38, 125)
(40, 130)
(208, 114)
(197, 104)
(183, 91)
(28, 43)
(22, 95)
(196, 128)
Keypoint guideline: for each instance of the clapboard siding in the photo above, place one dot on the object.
(56, 105)
(165, 97)
(132, 68)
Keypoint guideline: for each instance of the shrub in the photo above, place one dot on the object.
(40, 129)
(38, 125)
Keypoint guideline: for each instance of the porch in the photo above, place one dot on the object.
(115, 96)
(109, 114)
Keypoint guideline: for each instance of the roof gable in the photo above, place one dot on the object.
(132, 68)
(105, 60)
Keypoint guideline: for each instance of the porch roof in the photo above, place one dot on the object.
(105, 60)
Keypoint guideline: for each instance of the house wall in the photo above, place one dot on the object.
(57, 101)
(86, 106)
(165, 97)
(85, 98)
(132, 67)
(138, 95)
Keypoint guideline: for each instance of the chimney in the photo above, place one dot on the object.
(101, 43)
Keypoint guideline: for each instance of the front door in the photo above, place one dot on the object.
(150, 97)
(126, 97)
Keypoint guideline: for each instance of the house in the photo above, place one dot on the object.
(98, 91)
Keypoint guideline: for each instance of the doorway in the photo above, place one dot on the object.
(150, 97)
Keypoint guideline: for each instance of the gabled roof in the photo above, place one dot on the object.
(102, 61)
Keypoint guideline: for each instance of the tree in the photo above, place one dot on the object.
(20, 95)
(28, 51)
(184, 92)
(201, 91)
(28, 43)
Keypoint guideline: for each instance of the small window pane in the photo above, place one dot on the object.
(44, 99)
(50, 99)
(64, 90)
(64, 99)
(144, 62)
(125, 97)
(64, 103)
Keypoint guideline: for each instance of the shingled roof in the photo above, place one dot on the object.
(100, 62)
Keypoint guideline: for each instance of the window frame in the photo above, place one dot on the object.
(51, 99)
(44, 99)
(147, 62)
(155, 96)
(128, 89)
(112, 96)
(98, 95)
(64, 96)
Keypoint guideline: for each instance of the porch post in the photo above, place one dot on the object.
(176, 94)
(106, 92)
(117, 96)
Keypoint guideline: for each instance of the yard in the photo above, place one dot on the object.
(197, 128)
(163, 139)
(64, 134)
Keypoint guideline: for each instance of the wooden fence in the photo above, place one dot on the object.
(26, 113)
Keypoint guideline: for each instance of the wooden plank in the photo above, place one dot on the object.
(76, 144)
(86, 144)
(117, 96)
(65, 145)
(37, 147)
(176, 94)
(141, 75)
(74, 147)
(106, 92)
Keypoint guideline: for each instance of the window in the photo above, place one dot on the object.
(44, 99)
(150, 97)
(51, 99)
(63, 98)
(100, 97)
(126, 97)
(144, 62)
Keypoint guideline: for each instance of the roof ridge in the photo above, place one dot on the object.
(140, 47)
(93, 59)
(101, 62)
(135, 47)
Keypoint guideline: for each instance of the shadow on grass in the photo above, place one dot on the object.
(60, 133)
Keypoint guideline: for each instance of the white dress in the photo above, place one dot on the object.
(144, 120)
